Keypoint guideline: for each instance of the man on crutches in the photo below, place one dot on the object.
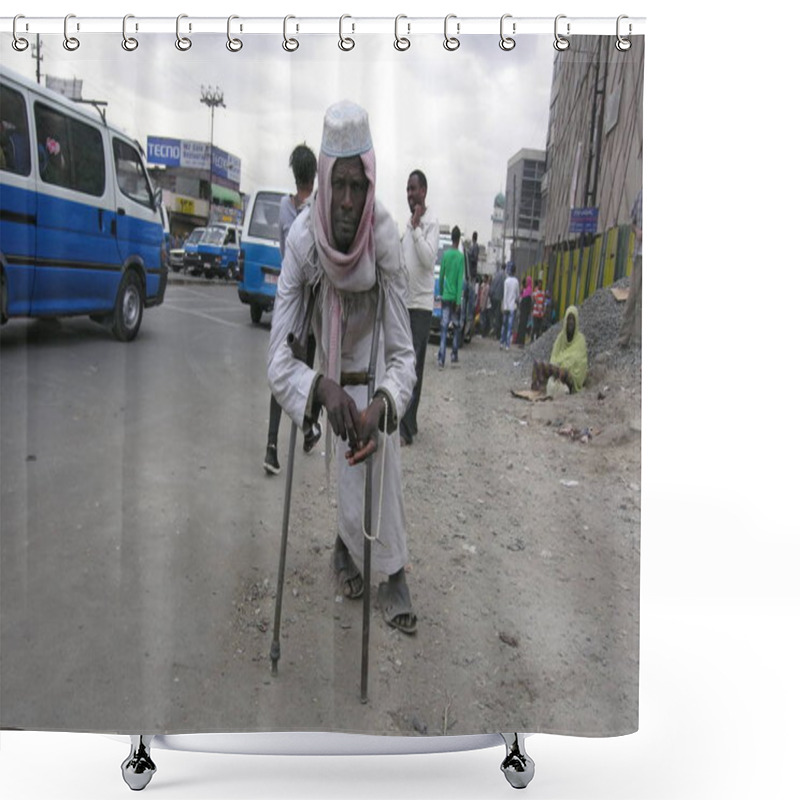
(347, 246)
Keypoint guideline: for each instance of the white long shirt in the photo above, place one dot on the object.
(510, 293)
(420, 246)
(292, 382)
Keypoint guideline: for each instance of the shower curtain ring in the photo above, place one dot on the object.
(233, 44)
(451, 43)
(346, 43)
(623, 42)
(401, 42)
(183, 43)
(289, 44)
(507, 42)
(129, 43)
(561, 42)
(20, 43)
(71, 43)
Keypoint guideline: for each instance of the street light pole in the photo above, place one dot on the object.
(212, 99)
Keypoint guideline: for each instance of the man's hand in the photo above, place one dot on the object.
(341, 408)
(416, 216)
(369, 424)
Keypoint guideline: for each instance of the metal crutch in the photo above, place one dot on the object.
(373, 358)
(301, 351)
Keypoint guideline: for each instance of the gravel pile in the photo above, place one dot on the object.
(599, 320)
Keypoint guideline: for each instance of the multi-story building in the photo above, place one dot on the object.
(195, 191)
(523, 208)
(594, 140)
(594, 167)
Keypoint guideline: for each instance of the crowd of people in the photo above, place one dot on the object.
(367, 294)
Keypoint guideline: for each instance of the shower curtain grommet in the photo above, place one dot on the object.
(289, 44)
(183, 43)
(71, 43)
(129, 43)
(451, 43)
(20, 43)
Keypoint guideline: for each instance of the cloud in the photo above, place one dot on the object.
(459, 115)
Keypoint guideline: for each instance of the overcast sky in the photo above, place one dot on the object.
(459, 116)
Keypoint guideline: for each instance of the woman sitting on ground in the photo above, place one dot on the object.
(569, 360)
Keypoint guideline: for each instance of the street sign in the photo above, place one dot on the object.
(583, 220)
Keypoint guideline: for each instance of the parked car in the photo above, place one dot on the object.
(82, 231)
(260, 254)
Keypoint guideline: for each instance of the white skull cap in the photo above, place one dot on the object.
(345, 132)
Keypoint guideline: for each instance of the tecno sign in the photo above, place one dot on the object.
(163, 151)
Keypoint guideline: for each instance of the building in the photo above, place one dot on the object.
(594, 139)
(495, 249)
(594, 168)
(181, 168)
(524, 210)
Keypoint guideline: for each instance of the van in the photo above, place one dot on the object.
(217, 253)
(81, 229)
(189, 253)
(260, 252)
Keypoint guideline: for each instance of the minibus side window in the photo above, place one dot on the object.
(70, 152)
(131, 177)
(15, 146)
(264, 222)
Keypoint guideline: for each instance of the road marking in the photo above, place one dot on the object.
(201, 314)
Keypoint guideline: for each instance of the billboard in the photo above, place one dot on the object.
(193, 155)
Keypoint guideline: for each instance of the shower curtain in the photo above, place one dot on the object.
(140, 535)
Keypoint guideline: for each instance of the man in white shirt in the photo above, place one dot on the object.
(420, 244)
(510, 300)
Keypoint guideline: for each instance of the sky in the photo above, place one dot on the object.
(459, 116)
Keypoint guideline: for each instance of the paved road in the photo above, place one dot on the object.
(123, 468)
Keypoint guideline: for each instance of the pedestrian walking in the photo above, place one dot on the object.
(451, 283)
(496, 299)
(510, 300)
(525, 305)
(538, 310)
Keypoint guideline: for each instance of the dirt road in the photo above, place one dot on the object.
(523, 526)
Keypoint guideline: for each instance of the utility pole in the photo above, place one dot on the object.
(212, 99)
(36, 53)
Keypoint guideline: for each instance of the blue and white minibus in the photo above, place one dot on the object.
(81, 229)
(260, 252)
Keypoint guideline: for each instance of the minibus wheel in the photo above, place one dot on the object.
(127, 314)
(255, 313)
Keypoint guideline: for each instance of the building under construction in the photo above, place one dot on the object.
(594, 166)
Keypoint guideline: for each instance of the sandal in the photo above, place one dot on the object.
(350, 580)
(397, 610)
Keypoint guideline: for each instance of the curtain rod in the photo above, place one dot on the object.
(402, 25)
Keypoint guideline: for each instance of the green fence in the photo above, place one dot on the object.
(574, 273)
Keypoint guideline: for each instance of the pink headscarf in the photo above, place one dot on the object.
(528, 291)
(353, 271)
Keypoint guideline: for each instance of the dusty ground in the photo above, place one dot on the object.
(524, 544)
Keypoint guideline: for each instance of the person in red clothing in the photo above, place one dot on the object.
(538, 310)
